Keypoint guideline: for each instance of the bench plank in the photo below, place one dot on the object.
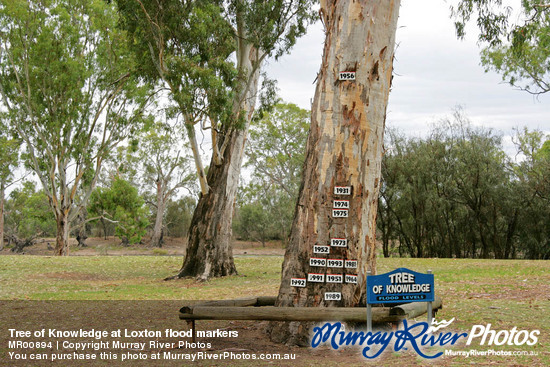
(355, 314)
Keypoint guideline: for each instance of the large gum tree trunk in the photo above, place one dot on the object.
(344, 148)
(209, 250)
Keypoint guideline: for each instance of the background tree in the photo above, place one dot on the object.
(121, 204)
(276, 148)
(200, 48)
(254, 222)
(533, 192)
(275, 153)
(344, 148)
(66, 82)
(178, 216)
(457, 194)
(9, 160)
(386, 223)
(165, 170)
(28, 216)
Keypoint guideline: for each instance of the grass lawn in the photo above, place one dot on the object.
(504, 293)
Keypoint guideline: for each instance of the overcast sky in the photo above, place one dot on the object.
(434, 73)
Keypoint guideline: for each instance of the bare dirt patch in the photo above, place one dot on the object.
(131, 316)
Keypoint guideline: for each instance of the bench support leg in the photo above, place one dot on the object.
(191, 324)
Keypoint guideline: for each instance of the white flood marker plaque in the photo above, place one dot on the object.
(317, 249)
(350, 264)
(351, 279)
(338, 242)
(340, 204)
(335, 278)
(297, 282)
(317, 261)
(346, 75)
(333, 296)
(335, 263)
(340, 213)
(315, 277)
(342, 190)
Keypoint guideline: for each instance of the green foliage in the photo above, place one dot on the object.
(161, 158)
(276, 154)
(178, 216)
(122, 204)
(520, 52)
(199, 50)
(28, 213)
(264, 214)
(277, 146)
(68, 90)
(457, 194)
(253, 222)
(533, 184)
(274, 25)
(9, 158)
(186, 45)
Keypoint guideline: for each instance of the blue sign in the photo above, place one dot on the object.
(400, 285)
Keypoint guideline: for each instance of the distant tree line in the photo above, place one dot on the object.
(118, 208)
(456, 193)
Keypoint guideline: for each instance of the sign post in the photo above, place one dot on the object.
(369, 310)
(430, 306)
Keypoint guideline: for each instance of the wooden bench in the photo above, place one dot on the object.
(262, 308)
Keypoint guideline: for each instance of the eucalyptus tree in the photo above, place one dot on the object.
(122, 205)
(276, 148)
(9, 160)
(28, 214)
(275, 153)
(516, 41)
(533, 193)
(344, 148)
(209, 55)
(66, 82)
(164, 169)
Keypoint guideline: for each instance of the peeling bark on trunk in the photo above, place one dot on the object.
(344, 148)
(209, 250)
(156, 240)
